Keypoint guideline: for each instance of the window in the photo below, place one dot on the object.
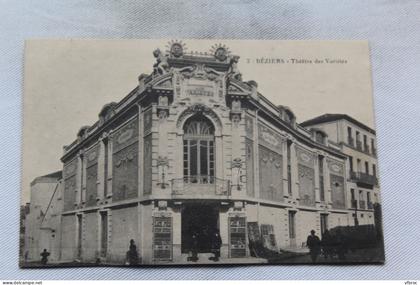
(361, 195)
(105, 167)
(368, 197)
(292, 225)
(365, 144)
(351, 163)
(321, 177)
(353, 197)
(372, 146)
(357, 135)
(367, 167)
(320, 137)
(324, 223)
(349, 136)
(198, 150)
(289, 168)
(104, 233)
(79, 235)
(374, 170)
(359, 165)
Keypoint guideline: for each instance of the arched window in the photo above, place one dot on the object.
(198, 150)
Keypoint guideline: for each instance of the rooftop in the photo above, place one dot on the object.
(325, 118)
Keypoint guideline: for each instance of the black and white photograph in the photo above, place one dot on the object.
(199, 152)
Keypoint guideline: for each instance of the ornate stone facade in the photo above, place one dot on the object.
(243, 166)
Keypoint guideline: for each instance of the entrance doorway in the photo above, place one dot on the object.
(201, 219)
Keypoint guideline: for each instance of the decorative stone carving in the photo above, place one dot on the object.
(161, 66)
(162, 164)
(234, 72)
(177, 49)
(270, 138)
(198, 109)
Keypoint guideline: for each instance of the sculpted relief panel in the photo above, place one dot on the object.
(305, 157)
(249, 168)
(249, 127)
(69, 193)
(335, 167)
(125, 173)
(69, 171)
(270, 139)
(198, 82)
(126, 135)
(337, 191)
(271, 178)
(306, 185)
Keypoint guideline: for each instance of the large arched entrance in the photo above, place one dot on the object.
(200, 217)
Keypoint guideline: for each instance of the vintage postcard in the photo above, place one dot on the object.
(169, 152)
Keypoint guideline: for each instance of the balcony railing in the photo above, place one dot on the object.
(350, 140)
(359, 145)
(362, 204)
(364, 178)
(201, 185)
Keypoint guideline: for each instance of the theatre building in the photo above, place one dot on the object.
(195, 149)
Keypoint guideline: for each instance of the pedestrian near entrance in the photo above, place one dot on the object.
(216, 243)
(194, 247)
(132, 254)
(44, 256)
(314, 244)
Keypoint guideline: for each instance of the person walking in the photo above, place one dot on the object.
(44, 256)
(216, 243)
(314, 244)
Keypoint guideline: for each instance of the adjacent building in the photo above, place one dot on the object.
(195, 149)
(358, 142)
(43, 218)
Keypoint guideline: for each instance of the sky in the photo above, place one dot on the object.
(66, 83)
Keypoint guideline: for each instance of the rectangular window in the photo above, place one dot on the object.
(359, 165)
(292, 225)
(321, 177)
(351, 163)
(104, 233)
(368, 197)
(374, 170)
(365, 144)
(324, 223)
(357, 135)
(289, 168)
(353, 197)
(367, 167)
(79, 235)
(105, 167)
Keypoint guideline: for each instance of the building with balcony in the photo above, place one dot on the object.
(194, 149)
(358, 141)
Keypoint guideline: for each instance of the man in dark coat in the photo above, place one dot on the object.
(314, 244)
(132, 254)
(194, 247)
(216, 243)
(44, 255)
